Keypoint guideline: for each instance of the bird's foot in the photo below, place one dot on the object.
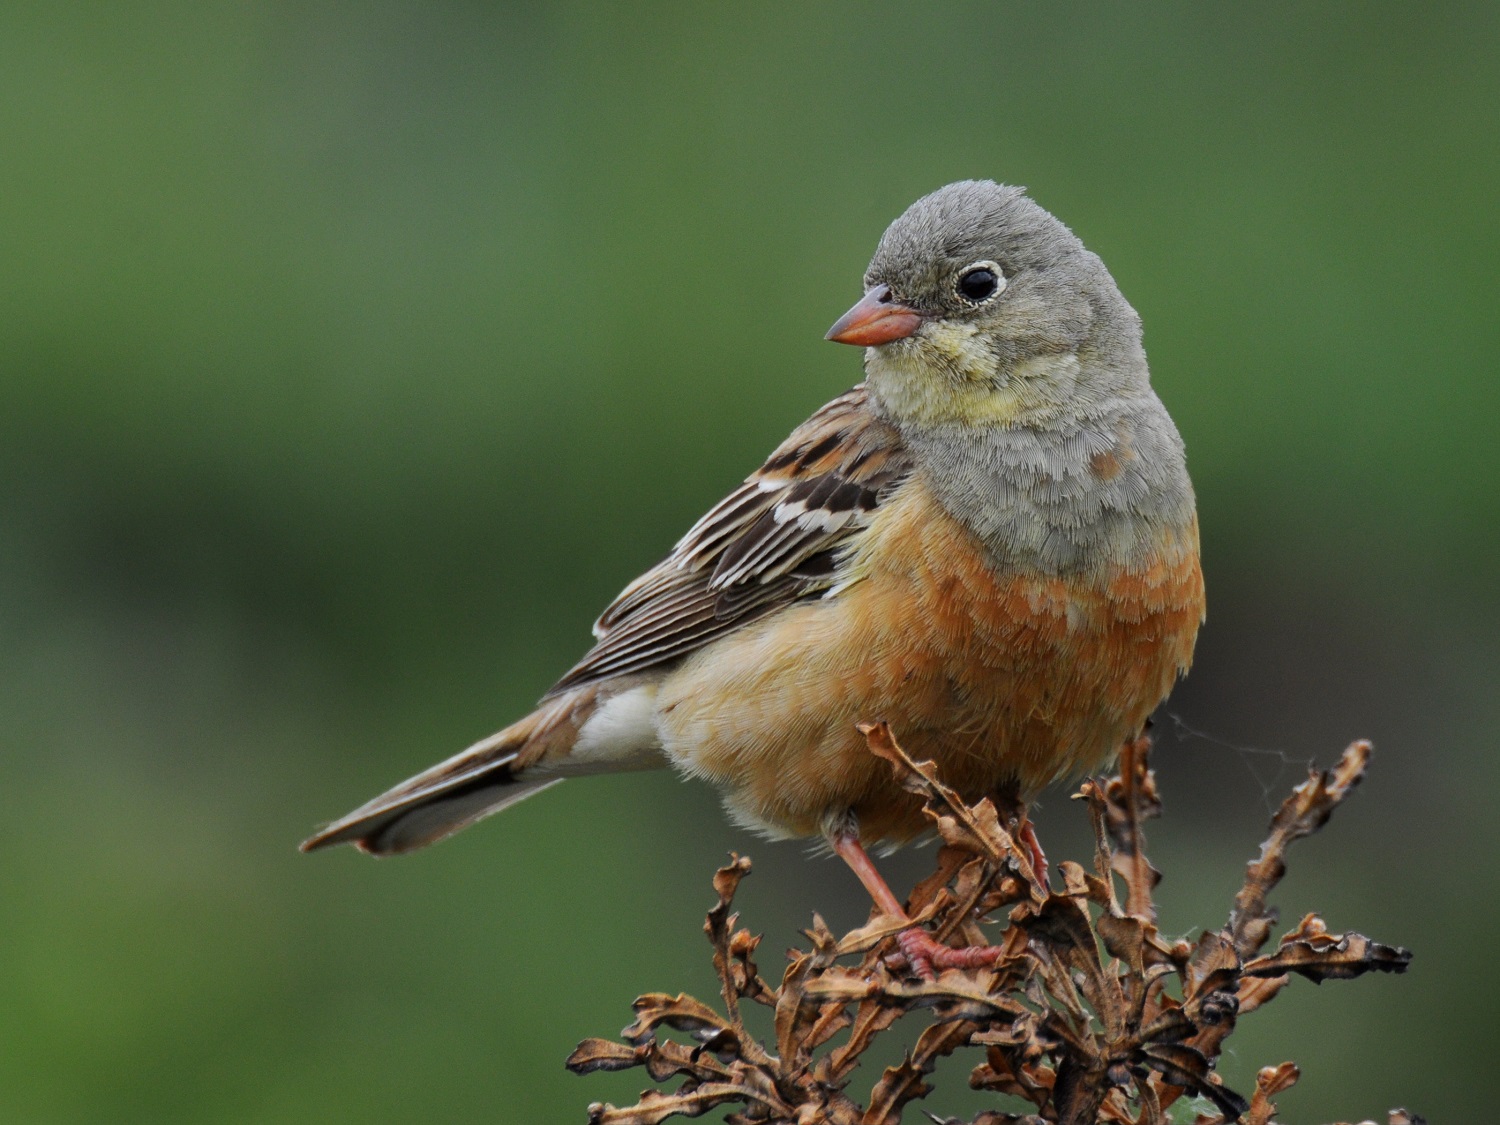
(926, 956)
(1026, 837)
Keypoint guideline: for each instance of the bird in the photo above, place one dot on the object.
(990, 543)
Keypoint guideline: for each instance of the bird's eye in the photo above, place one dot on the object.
(980, 282)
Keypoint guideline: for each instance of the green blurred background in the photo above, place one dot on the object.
(353, 355)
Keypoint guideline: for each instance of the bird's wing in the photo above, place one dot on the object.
(773, 540)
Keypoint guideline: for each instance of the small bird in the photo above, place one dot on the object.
(991, 543)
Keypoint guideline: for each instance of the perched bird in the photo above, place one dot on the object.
(991, 543)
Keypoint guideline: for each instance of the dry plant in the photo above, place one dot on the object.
(1088, 1013)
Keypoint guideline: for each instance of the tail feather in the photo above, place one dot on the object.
(437, 818)
(453, 794)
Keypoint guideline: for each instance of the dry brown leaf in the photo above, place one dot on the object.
(655, 1107)
(1271, 1081)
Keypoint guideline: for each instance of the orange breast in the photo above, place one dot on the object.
(1007, 681)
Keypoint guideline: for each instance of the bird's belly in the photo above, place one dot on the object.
(1006, 681)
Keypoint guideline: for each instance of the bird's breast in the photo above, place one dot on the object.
(1008, 678)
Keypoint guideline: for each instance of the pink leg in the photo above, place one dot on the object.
(1026, 837)
(923, 952)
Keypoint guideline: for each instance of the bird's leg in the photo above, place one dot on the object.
(1026, 837)
(923, 952)
(1025, 833)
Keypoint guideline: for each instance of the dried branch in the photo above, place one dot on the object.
(1089, 1014)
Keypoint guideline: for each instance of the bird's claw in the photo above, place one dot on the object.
(926, 956)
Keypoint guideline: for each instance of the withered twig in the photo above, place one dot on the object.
(1131, 800)
(1088, 1013)
(1305, 811)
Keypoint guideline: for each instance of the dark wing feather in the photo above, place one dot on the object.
(769, 542)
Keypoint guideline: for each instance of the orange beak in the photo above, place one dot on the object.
(876, 319)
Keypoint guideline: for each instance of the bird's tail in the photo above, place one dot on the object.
(491, 775)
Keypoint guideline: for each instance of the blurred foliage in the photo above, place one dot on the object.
(351, 357)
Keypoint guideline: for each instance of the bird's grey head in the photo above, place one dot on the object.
(980, 305)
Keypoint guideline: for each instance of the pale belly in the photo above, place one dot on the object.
(1007, 682)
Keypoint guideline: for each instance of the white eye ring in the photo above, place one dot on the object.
(980, 282)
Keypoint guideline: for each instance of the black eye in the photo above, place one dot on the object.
(978, 284)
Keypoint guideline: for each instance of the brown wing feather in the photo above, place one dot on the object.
(769, 542)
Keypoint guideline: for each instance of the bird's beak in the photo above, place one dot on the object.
(876, 319)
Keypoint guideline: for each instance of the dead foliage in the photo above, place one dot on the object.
(1089, 1015)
